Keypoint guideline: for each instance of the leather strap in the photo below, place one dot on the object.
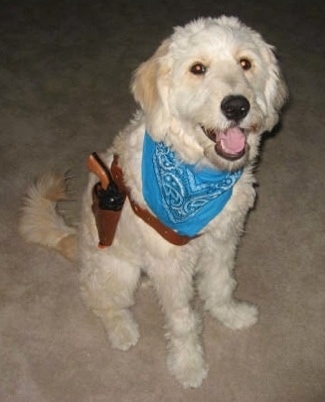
(168, 234)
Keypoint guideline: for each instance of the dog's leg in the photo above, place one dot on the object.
(108, 286)
(216, 286)
(174, 287)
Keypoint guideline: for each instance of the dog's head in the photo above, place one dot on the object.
(210, 90)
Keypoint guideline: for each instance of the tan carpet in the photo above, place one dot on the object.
(64, 76)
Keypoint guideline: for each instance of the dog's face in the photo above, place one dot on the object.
(210, 90)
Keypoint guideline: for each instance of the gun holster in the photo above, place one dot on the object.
(107, 205)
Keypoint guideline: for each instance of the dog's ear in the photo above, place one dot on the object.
(150, 79)
(276, 92)
(276, 87)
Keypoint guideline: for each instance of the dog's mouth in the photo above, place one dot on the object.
(230, 144)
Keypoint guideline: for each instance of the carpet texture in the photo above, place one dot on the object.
(65, 68)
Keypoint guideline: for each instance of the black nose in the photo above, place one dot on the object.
(235, 107)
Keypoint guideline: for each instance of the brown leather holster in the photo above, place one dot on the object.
(107, 216)
(108, 200)
(106, 220)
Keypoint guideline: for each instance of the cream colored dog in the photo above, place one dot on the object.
(206, 96)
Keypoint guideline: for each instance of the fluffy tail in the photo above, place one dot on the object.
(40, 221)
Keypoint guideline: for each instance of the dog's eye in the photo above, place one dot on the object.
(245, 64)
(198, 69)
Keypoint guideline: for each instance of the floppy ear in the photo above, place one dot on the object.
(150, 87)
(145, 83)
(276, 92)
(276, 88)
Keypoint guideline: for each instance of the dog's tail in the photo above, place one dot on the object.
(40, 220)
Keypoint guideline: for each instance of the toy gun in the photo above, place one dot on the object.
(108, 201)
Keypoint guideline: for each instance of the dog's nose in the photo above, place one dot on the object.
(235, 107)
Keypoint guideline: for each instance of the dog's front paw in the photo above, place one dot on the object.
(236, 315)
(124, 336)
(188, 367)
(123, 331)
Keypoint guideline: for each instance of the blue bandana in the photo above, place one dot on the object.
(184, 197)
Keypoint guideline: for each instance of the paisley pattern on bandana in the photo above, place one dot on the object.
(184, 197)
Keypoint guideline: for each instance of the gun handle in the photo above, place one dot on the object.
(96, 166)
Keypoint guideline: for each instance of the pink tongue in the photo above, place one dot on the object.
(232, 140)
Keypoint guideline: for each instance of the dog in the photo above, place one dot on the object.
(187, 158)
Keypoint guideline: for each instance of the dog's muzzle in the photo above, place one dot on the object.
(230, 143)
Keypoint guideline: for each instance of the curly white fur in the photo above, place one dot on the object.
(176, 107)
